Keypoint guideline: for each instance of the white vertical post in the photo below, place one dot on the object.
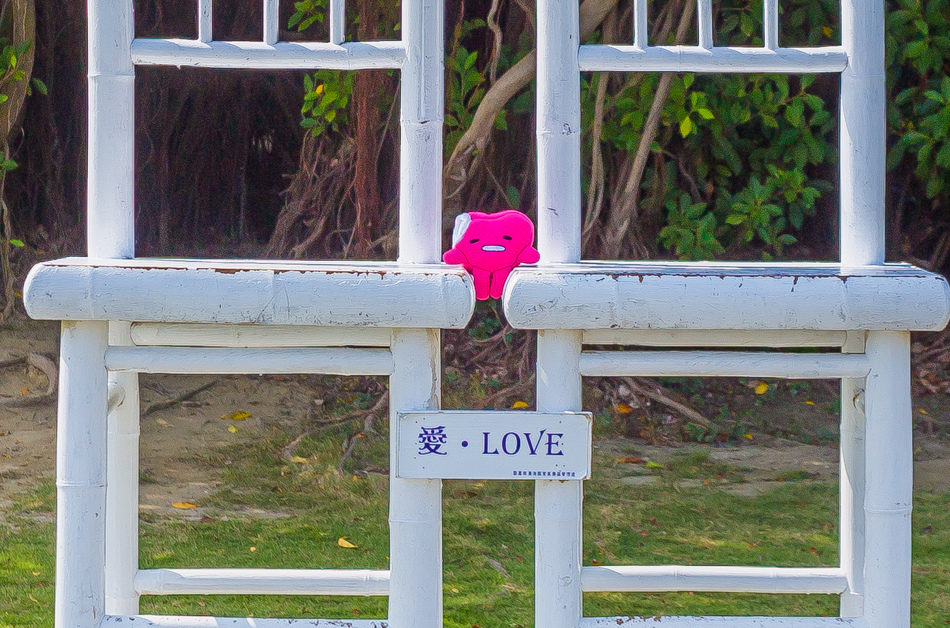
(111, 130)
(851, 485)
(337, 21)
(770, 24)
(558, 539)
(271, 22)
(641, 32)
(862, 133)
(420, 176)
(122, 495)
(81, 475)
(559, 132)
(889, 481)
(204, 20)
(558, 504)
(704, 24)
(415, 506)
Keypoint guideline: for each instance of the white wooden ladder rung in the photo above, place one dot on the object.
(183, 621)
(723, 622)
(630, 578)
(365, 582)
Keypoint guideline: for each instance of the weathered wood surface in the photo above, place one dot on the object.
(668, 295)
(216, 291)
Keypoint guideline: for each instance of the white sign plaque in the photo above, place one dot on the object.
(494, 445)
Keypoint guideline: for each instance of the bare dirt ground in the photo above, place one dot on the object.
(176, 440)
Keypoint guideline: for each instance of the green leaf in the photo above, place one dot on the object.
(40, 86)
(513, 197)
(706, 113)
(735, 219)
(17, 243)
(686, 126)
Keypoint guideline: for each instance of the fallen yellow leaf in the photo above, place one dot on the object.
(345, 544)
(809, 402)
(623, 408)
(519, 405)
(922, 411)
(232, 429)
(240, 415)
(253, 549)
(299, 459)
(761, 388)
(826, 30)
(24, 392)
(163, 422)
(184, 505)
(747, 435)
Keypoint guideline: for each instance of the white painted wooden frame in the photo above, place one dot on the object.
(858, 305)
(122, 316)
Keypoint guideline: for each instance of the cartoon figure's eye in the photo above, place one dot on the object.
(473, 241)
(506, 237)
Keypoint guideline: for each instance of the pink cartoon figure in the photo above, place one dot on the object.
(489, 246)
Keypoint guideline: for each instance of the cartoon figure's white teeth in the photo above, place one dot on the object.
(493, 248)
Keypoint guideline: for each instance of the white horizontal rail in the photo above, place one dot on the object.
(172, 621)
(830, 580)
(723, 622)
(194, 361)
(262, 582)
(723, 364)
(711, 337)
(617, 58)
(211, 335)
(262, 56)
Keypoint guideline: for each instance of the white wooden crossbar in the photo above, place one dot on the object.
(723, 622)
(723, 364)
(671, 295)
(269, 56)
(210, 335)
(366, 582)
(234, 361)
(827, 580)
(619, 58)
(254, 292)
(172, 621)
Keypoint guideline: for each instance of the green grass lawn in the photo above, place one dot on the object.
(488, 539)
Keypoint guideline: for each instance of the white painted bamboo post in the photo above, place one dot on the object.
(559, 132)
(770, 24)
(641, 28)
(337, 21)
(704, 24)
(415, 506)
(851, 495)
(862, 133)
(204, 20)
(420, 171)
(83, 429)
(889, 481)
(122, 494)
(558, 504)
(271, 22)
(81, 475)
(109, 196)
